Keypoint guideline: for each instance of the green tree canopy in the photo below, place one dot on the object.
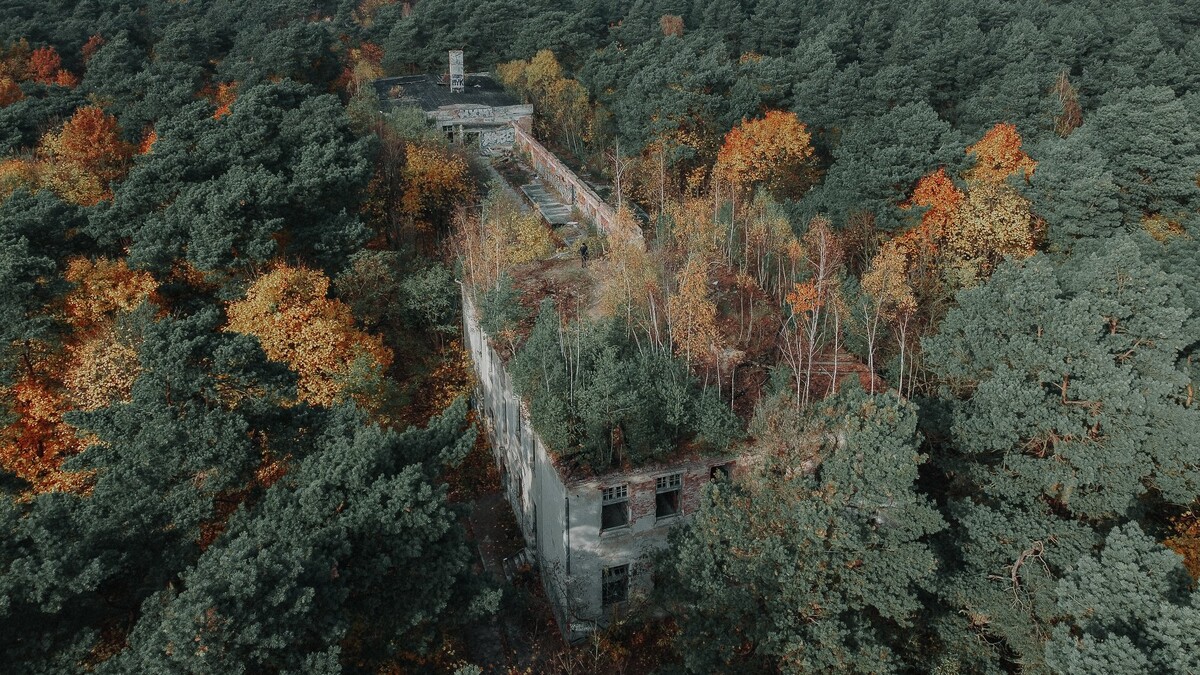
(800, 569)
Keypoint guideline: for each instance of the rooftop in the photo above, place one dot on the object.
(431, 92)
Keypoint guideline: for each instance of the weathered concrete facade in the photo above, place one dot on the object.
(482, 113)
(561, 518)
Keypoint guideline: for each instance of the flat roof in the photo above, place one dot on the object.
(429, 92)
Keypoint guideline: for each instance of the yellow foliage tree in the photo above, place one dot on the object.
(692, 314)
(775, 151)
(629, 280)
(696, 232)
(886, 280)
(994, 222)
(998, 155)
(969, 232)
(289, 312)
(434, 181)
(17, 173)
(561, 105)
(508, 237)
(101, 369)
(102, 358)
(888, 297)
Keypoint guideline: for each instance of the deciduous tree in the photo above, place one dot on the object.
(288, 310)
(774, 151)
(82, 160)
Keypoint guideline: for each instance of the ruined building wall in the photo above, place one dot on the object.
(569, 186)
(560, 516)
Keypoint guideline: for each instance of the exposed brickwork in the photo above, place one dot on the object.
(693, 484)
(641, 499)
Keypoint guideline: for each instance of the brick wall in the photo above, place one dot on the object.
(641, 500)
(693, 483)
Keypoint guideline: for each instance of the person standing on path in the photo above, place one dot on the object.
(583, 254)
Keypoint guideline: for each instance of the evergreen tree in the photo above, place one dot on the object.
(1131, 609)
(799, 570)
(222, 192)
(1067, 410)
(1146, 135)
(879, 161)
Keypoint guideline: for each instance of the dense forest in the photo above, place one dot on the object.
(235, 432)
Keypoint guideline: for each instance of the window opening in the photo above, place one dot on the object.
(614, 585)
(666, 500)
(614, 507)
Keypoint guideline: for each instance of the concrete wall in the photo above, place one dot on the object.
(495, 126)
(592, 550)
(531, 482)
(570, 187)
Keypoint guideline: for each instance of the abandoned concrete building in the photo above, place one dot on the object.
(591, 536)
(470, 108)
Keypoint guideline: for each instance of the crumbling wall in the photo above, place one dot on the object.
(560, 517)
(570, 187)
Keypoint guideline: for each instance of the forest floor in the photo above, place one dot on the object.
(519, 637)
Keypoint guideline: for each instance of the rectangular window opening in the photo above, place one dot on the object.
(666, 500)
(721, 471)
(614, 585)
(614, 507)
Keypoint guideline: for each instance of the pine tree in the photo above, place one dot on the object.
(1067, 410)
(1130, 609)
(792, 570)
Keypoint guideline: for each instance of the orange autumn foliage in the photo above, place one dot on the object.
(974, 230)
(149, 138)
(224, 96)
(289, 312)
(943, 199)
(67, 79)
(19, 63)
(10, 91)
(45, 67)
(35, 446)
(85, 157)
(44, 64)
(90, 47)
(775, 150)
(1185, 540)
(998, 155)
(804, 297)
(96, 368)
(103, 288)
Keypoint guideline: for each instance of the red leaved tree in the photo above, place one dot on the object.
(81, 160)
